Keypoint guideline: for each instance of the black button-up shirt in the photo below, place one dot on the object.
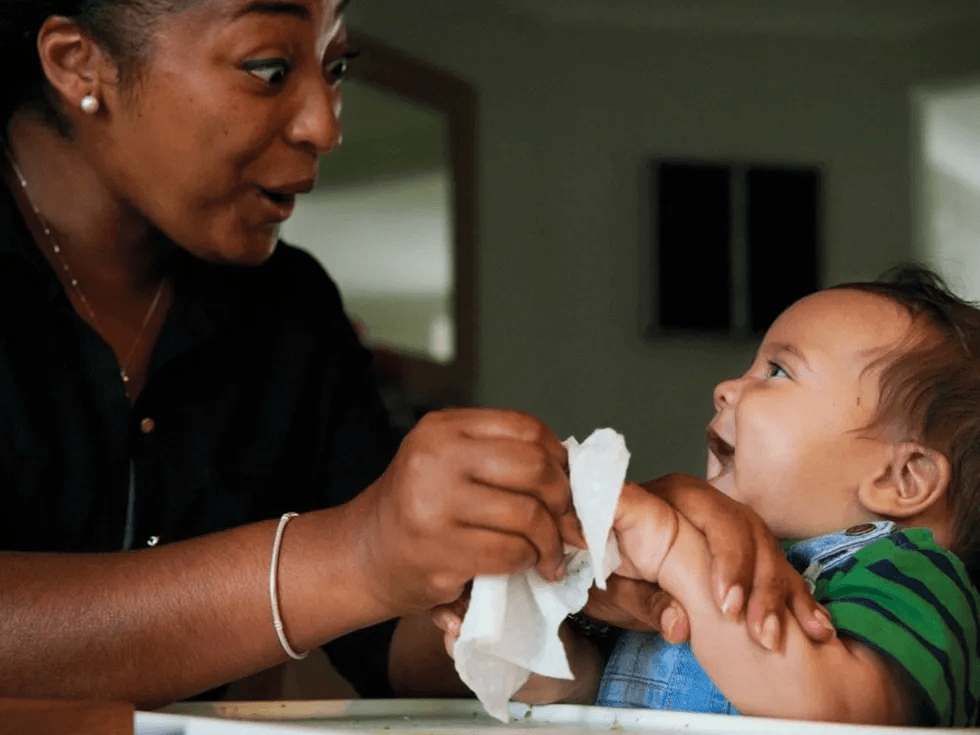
(258, 401)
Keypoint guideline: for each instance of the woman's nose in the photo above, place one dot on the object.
(726, 393)
(317, 122)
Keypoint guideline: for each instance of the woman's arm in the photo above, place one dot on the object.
(799, 679)
(157, 625)
(470, 492)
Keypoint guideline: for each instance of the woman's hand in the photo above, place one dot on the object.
(748, 566)
(636, 604)
(470, 492)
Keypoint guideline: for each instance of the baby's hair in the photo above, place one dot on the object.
(931, 389)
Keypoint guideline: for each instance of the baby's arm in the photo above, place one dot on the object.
(653, 527)
(840, 680)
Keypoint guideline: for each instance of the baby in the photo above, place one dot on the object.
(855, 434)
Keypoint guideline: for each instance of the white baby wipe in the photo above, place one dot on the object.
(511, 627)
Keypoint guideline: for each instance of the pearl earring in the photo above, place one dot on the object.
(90, 104)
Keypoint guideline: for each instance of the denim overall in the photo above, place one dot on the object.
(645, 671)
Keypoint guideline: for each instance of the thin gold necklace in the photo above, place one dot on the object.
(74, 281)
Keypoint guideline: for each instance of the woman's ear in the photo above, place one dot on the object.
(73, 63)
(912, 481)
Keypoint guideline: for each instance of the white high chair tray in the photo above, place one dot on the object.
(465, 717)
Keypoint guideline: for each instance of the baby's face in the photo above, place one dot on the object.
(790, 438)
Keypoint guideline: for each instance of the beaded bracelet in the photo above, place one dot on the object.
(603, 637)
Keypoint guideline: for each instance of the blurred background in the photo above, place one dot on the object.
(576, 106)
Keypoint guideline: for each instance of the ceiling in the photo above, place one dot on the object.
(853, 18)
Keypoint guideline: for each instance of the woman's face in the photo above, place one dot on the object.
(225, 126)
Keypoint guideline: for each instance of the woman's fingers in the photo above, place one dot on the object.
(674, 625)
(767, 602)
(517, 465)
(779, 590)
(633, 604)
(733, 566)
(489, 423)
(749, 569)
(518, 514)
(509, 464)
(469, 492)
(813, 618)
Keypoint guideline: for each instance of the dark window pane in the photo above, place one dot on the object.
(693, 220)
(783, 221)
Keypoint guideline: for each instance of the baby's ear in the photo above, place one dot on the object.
(914, 478)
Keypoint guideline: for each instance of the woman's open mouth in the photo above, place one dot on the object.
(280, 205)
(280, 199)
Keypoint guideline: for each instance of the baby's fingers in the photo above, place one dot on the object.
(446, 619)
(449, 621)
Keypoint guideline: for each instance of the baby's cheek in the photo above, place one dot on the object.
(769, 464)
(770, 445)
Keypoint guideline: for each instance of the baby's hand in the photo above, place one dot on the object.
(449, 619)
(583, 658)
(645, 528)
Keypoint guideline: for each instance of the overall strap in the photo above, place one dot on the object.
(822, 554)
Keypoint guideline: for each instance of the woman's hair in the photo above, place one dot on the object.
(930, 389)
(121, 27)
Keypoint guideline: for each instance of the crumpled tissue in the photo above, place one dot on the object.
(511, 627)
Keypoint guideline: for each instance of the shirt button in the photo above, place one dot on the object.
(147, 425)
(860, 529)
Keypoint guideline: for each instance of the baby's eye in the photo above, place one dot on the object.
(775, 370)
(270, 71)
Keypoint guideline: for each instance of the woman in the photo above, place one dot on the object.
(171, 380)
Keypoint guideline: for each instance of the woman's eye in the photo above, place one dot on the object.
(337, 69)
(775, 370)
(271, 72)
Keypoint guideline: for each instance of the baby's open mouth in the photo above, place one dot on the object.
(721, 450)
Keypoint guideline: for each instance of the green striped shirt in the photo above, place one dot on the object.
(913, 602)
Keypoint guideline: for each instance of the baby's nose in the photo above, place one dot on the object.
(726, 393)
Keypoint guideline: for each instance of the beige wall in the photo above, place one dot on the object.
(567, 117)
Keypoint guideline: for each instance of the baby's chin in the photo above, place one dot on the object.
(724, 482)
(722, 479)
